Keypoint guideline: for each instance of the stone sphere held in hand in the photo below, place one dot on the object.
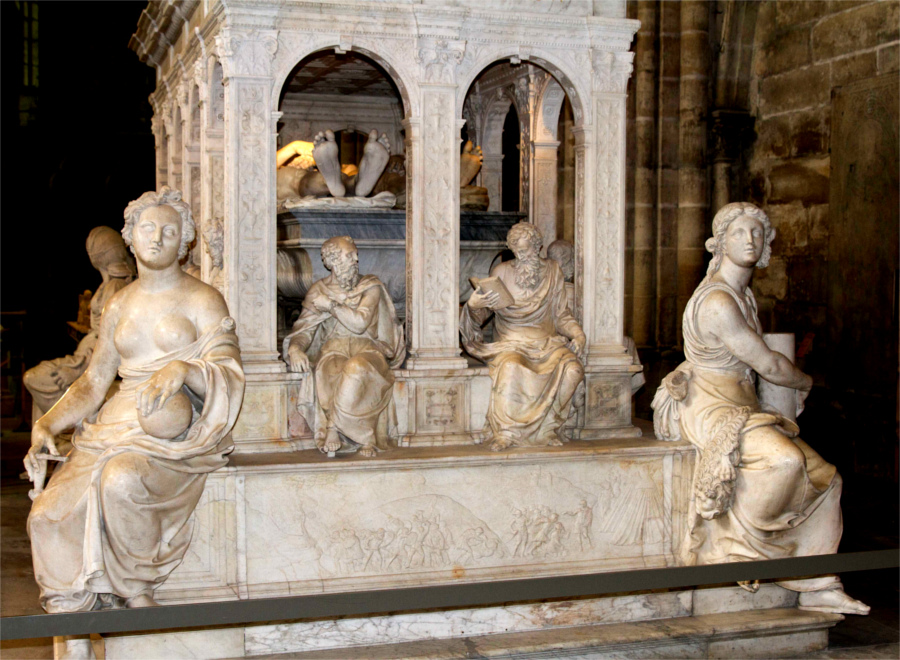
(171, 420)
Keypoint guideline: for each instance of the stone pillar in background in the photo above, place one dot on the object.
(158, 128)
(667, 319)
(545, 154)
(249, 177)
(693, 194)
(212, 164)
(492, 179)
(432, 213)
(645, 210)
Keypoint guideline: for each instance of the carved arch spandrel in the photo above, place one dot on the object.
(396, 57)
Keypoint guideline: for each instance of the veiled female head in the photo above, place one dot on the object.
(742, 234)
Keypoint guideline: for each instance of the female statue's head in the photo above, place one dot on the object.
(157, 223)
(107, 252)
(747, 242)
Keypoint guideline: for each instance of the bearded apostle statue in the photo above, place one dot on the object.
(534, 358)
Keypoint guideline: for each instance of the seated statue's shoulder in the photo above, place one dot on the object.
(206, 303)
(502, 268)
(718, 306)
(119, 300)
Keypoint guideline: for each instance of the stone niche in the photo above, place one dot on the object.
(238, 79)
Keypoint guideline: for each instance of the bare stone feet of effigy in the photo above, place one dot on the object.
(375, 157)
(325, 153)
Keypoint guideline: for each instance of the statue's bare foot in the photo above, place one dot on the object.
(501, 442)
(834, 601)
(78, 649)
(749, 585)
(376, 155)
(332, 442)
(325, 153)
(141, 600)
(559, 439)
(368, 451)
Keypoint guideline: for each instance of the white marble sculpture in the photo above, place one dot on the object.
(113, 521)
(308, 172)
(348, 330)
(51, 378)
(310, 176)
(759, 491)
(533, 359)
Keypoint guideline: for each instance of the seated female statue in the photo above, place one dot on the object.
(759, 491)
(114, 520)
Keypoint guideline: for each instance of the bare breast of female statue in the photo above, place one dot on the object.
(147, 338)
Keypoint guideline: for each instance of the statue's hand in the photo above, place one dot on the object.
(298, 361)
(42, 441)
(153, 393)
(576, 345)
(323, 304)
(481, 299)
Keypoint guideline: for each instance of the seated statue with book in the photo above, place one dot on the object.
(534, 358)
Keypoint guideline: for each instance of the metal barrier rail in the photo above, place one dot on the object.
(289, 608)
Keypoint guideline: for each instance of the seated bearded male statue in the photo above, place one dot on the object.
(349, 332)
(533, 361)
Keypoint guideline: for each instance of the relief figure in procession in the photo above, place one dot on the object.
(348, 332)
(114, 520)
(534, 358)
(759, 491)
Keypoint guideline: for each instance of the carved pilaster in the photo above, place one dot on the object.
(249, 182)
(432, 215)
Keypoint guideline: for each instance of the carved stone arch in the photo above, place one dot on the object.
(494, 117)
(291, 54)
(550, 102)
(576, 86)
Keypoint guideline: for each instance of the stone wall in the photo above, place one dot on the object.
(802, 51)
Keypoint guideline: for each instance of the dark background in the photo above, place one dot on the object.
(76, 148)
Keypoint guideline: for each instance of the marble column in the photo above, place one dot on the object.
(158, 128)
(600, 251)
(544, 178)
(432, 213)
(492, 179)
(249, 184)
(693, 201)
(643, 322)
(212, 157)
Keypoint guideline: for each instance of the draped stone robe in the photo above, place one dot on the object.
(115, 518)
(354, 382)
(528, 360)
(782, 499)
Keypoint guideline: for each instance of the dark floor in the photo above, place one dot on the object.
(873, 636)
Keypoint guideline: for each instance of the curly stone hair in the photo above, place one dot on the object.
(331, 249)
(165, 197)
(726, 215)
(525, 230)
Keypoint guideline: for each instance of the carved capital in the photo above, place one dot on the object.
(247, 52)
(612, 70)
(440, 59)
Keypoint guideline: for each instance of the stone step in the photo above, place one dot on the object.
(751, 634)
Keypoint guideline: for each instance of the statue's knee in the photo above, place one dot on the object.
(120, 476)
(575, 371)
(356, 368)
(790, 458)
